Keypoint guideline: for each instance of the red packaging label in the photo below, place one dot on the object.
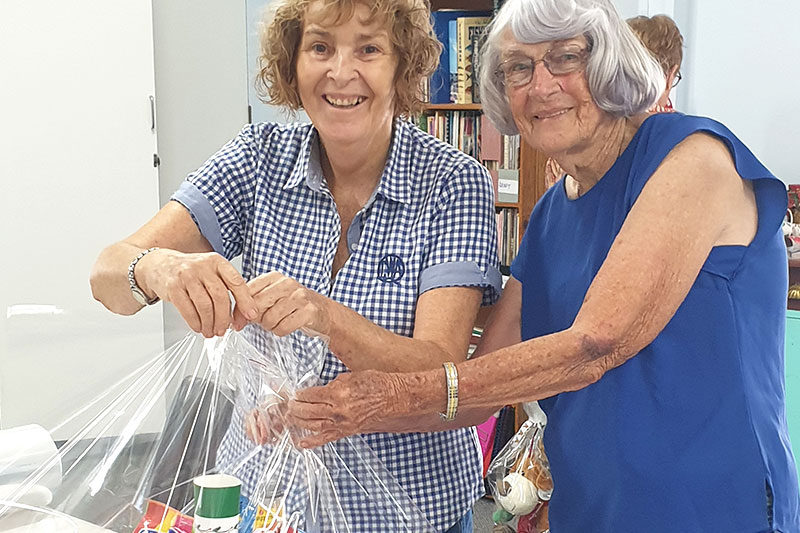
(158, 518)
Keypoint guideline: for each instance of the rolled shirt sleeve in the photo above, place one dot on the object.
(219, 195)
(462, 249)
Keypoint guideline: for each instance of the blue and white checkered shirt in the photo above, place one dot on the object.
(430, 223)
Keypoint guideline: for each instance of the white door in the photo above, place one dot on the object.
(76, 174)
(201, 92)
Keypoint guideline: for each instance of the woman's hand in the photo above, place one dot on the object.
(348, 405)
(264, 424)
(199, 286)
(284, 306)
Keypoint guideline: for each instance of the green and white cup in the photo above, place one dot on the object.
(216, 498)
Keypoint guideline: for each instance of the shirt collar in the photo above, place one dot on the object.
(307, 168)
(395, 182)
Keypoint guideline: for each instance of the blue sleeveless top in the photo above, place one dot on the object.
(690, 433)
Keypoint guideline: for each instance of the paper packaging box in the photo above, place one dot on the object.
(507, 186)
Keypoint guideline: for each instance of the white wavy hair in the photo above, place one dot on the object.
(623, 77)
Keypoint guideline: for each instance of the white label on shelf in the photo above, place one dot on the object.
(507, 186)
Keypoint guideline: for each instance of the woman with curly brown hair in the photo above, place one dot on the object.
(662, 38)
(358, 226)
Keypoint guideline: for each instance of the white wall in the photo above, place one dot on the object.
(76, 173)
(742, 67)
(630, 8)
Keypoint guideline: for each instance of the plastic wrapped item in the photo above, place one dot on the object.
(519, 477)
(201, 471)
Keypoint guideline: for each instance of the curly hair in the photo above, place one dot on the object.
(410, 31)
(662, 38)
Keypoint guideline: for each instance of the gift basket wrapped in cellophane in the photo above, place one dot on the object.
(196, 441)
(519, 478)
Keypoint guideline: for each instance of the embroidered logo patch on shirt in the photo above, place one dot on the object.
(391, 269)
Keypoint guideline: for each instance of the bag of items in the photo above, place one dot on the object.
(519, 478)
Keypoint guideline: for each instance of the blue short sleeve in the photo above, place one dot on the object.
(662, 133)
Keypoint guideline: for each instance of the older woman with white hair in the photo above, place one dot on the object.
(646, 309)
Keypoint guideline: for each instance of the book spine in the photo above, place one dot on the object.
(439, 84)
(476, 44)
(452, 42)
(461, 96)
(468, 29)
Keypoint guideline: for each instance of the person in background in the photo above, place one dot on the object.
(657, 357)
(358, 227)
(664, 41)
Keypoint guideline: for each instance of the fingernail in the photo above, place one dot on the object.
(251, 314)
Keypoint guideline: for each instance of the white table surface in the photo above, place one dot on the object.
(47, 524)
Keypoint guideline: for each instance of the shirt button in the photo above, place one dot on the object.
(354, 247)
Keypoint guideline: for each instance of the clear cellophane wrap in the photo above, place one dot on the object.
(185, 413)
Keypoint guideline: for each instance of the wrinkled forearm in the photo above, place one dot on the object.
(532, 370)
(433, 422)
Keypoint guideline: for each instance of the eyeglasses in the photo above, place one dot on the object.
(677, 79)
(518, 71)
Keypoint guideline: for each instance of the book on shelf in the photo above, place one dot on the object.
(460, 128)
(491, 141)
(507, 234)
(452, 43)
(472, 133)
(468, 27)
(440, 81)
(510, 157)
(478, 39)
